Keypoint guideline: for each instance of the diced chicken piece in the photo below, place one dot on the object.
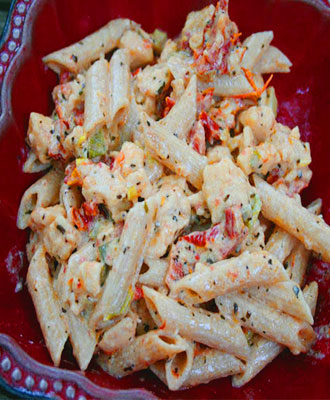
(138, 185)
(154, 80)
(40, 134)
(172, 216)
(262, 158)
(42, 217)
(87, 280)
(130, 159)
(193, 30)
(139, 48)
(102, 186)
(261, 120)
(217, 153)
(225, 187)
(208, 247)
(60, 238)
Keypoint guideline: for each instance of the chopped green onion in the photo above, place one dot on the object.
(96, 145)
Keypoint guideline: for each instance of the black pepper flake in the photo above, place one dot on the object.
(148, 123)
(175, 218)
(74, 58)
(60, 228)
(235, 308)
(125, 249)
(119, 196)
(130, 368)
(248, 315)
(270, 261)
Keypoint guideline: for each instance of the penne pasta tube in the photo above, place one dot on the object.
(310, 229)
(196, 324)
(118, 336)
(297, 262)
(174, 153)
(284, 296)
(272, 60)
(80, 55)
(155, 275)
(96, 97)
(82, 338)
(280, 244)
(46, 304)
(265, 351)
(247, 270)
(178, 367)
(212, 364)
(226, 85)
(118, 290)
(310, 293)
(139, 46)
(43, 193)
(143, 351)
(120, 87)
(295, 334)
(262, 353)
(256, 45)
(180, 119)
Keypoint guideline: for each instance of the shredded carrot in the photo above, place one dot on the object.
(134, 73)
(257, 92)
(235, 37)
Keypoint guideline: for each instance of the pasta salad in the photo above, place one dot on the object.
(167, 231)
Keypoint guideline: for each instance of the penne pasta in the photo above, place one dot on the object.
(178, 367)
(310, 293)
(43, 193)
(96, 97)
(47, 306)
(174, 153)
(262, 353)
(272, 60)
(208, 364)
(120, 87)
(280, 244)
(143, 351)
(155, 275)
(295, 334)
(256, 46)
(118, 290)
(80, 55)
(310, 229)
(119, 336)
(265, 351)
(180, 119)
(195, 324)
(82, 338)
(247, 270)
(284, 296)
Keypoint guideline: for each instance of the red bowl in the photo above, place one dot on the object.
(35, 28)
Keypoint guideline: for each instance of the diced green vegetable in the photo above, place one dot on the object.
(159, 39)
(256, 208)
(103, 252)
(124, 308)
(96, 145)
(255, 160)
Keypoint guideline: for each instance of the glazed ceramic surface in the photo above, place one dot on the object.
(37, 27)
